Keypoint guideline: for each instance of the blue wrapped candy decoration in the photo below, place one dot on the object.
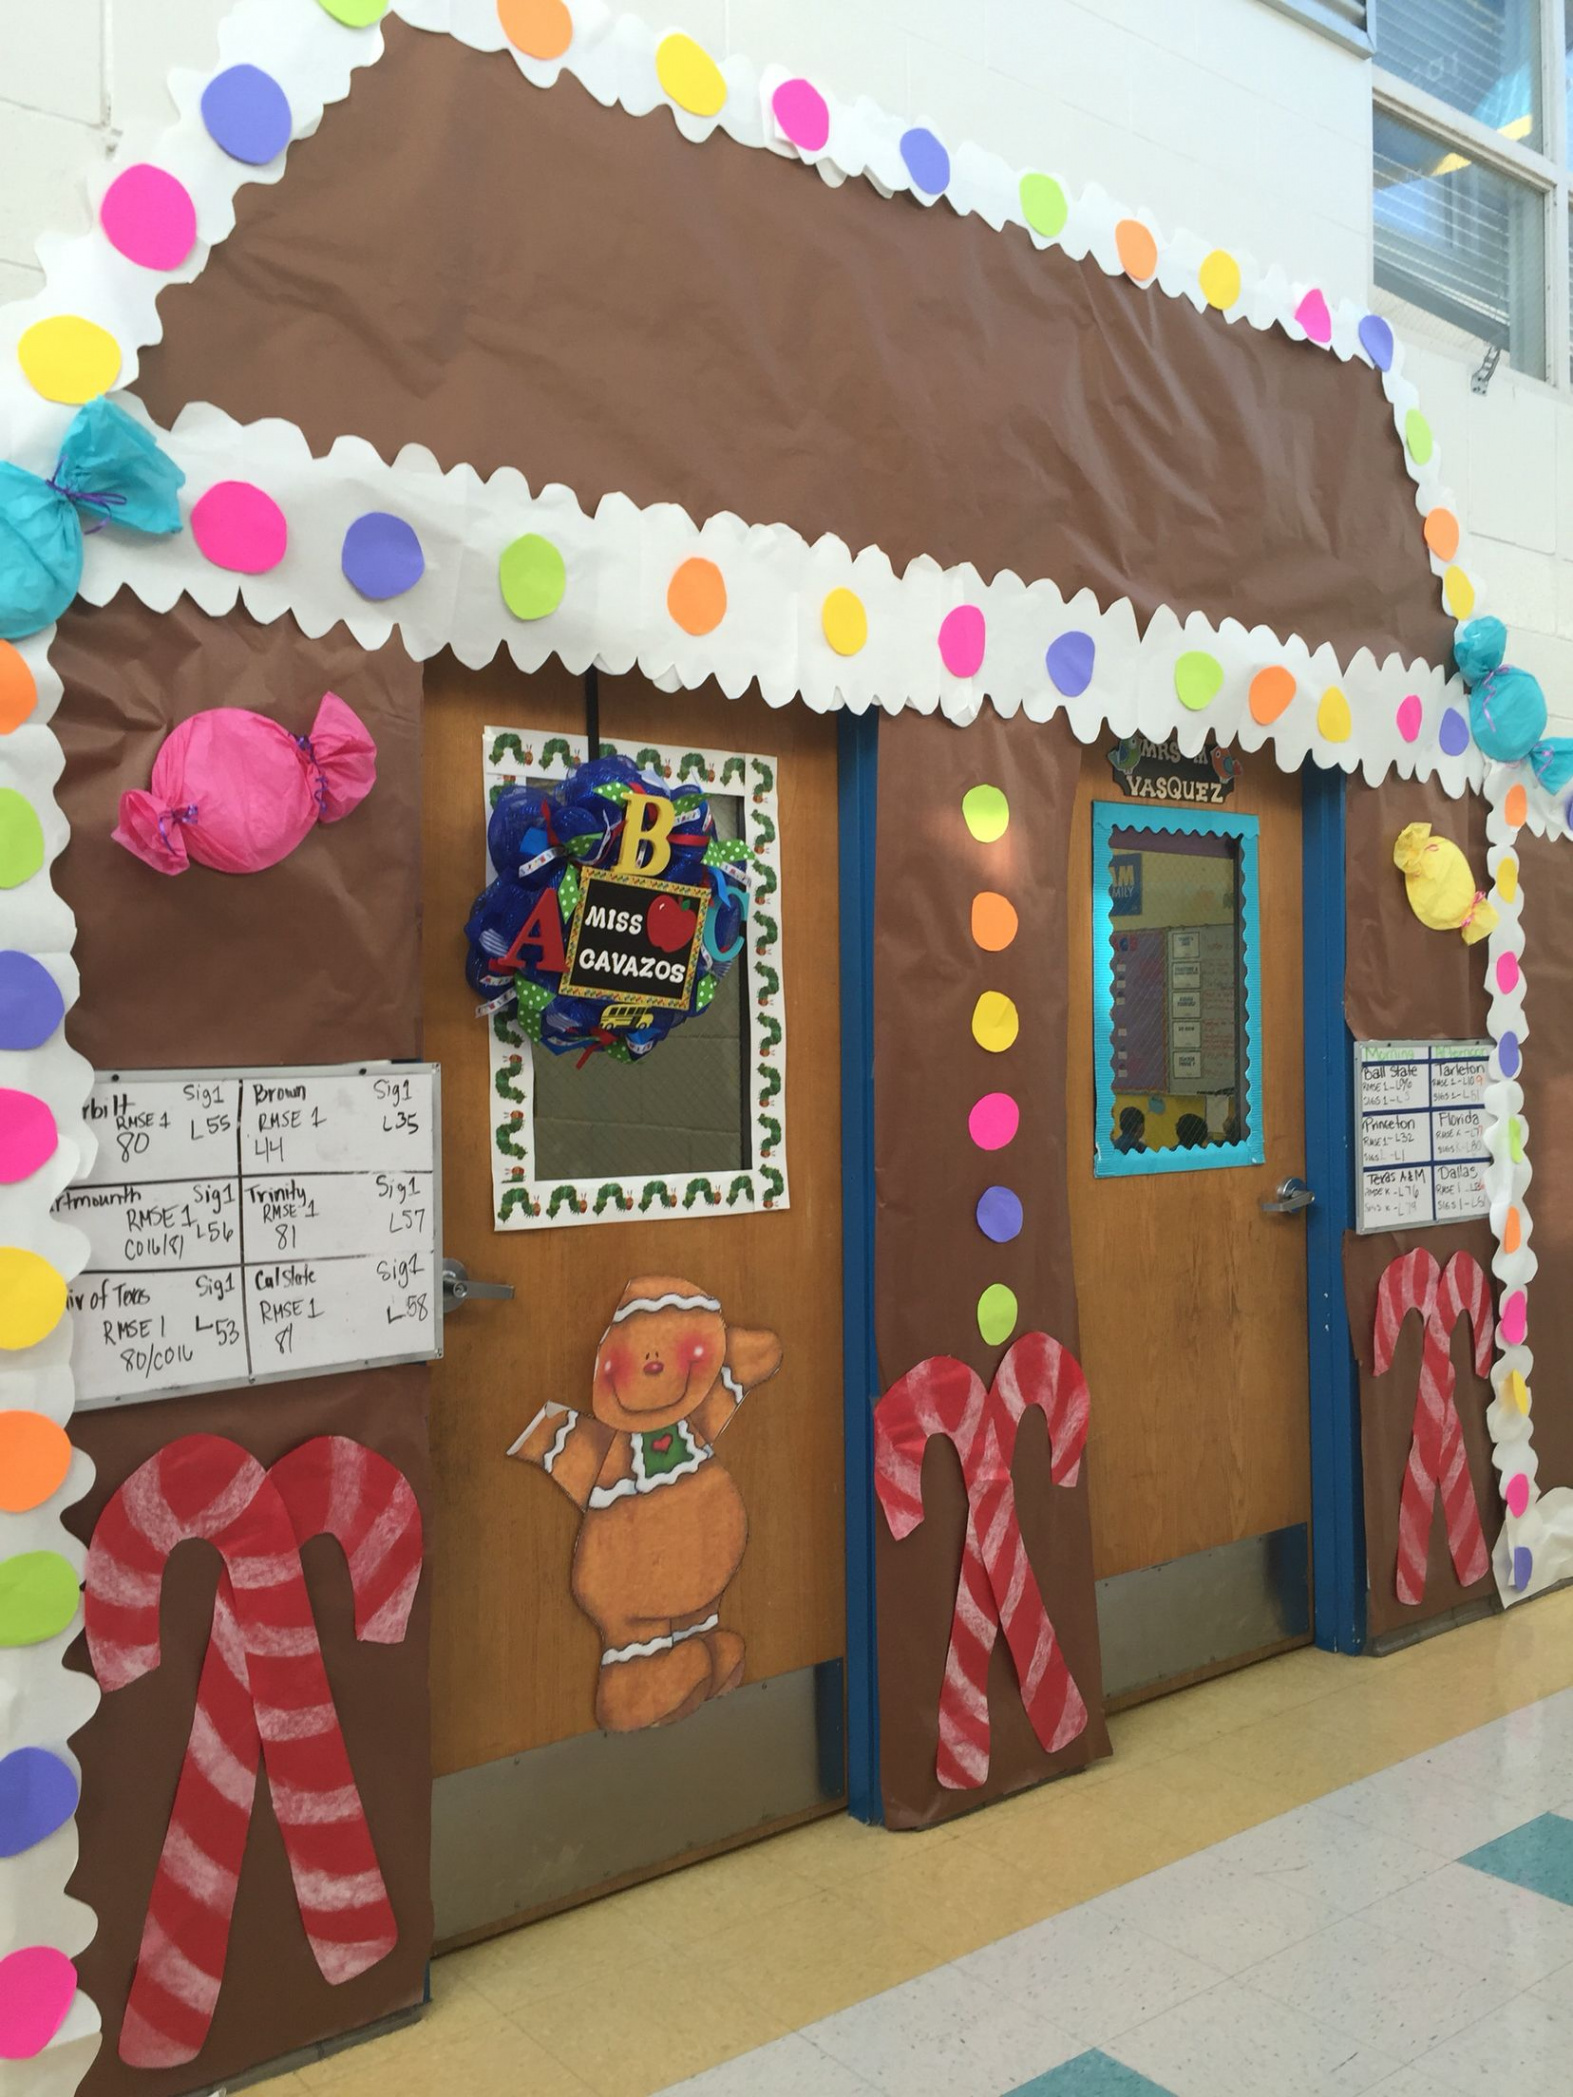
(1478, 648)
(1508, 715)
(542, 841)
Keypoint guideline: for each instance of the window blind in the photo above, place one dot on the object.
(1343, 20)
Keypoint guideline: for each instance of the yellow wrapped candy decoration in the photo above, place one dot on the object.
(1440, 887)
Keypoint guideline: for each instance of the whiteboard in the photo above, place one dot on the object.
(253, 1224)
(1420, 1147)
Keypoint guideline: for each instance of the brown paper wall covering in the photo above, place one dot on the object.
(518, 277)
(931, 1260)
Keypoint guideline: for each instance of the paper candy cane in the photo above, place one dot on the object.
(1437, 1458)
(997, 1586)
(263, 1690)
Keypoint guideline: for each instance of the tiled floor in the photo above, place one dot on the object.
(1315, 1876)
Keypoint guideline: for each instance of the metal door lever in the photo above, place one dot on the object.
(458, 1288)
(1292, 1196)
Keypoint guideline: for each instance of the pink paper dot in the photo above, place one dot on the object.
(1507, 974)
(28, 1136)
(1411, 715)
(36, 1987)
(961, 638)
(1515, 1319)
(236, 526)
(994, 1121)
(149, 217)
(1313, 316)
(1516, 1493)
(803, 114)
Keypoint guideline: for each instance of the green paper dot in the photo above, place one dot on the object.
(1198, 679)
(38, 1597)
(21, 839)
(1043, 205)
(1417, 435)
(986, 813)
(355, 14)
(1515, 1139)
(997, 1313)
(533, 577)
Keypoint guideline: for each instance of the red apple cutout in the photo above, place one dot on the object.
(669, 924)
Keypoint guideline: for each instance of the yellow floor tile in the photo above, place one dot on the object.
(1195, 1799)
(817, 1956)
(626, 2031)
(835, 1852)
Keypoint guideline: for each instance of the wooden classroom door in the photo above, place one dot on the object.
(1192, 1296)
(514, 1661)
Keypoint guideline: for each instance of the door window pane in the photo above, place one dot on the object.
(1460, 242)
(1479, 56)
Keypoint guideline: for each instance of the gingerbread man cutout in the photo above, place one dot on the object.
(664, 1526)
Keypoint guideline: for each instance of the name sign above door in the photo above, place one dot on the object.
(1148, 771)
(1420, 1151)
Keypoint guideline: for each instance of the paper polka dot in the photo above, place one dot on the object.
(28, 1136)
(31, 1006)
(1516, 1493)
(239, 527)
(1136, 248)
(996, 1314)
(1043, 205)
(986, 813)
(38, 1597)
(149, 217)
(32, 1297)
(689, 75)
(532, 576)
(35, 1455)
(1523, 1567)
(696, 596)
(1198, 679)
(1418, 437)
(1069, 662)
(247, 115)
(1515, 1391)
(994, 1120)
(1442, 533)
(1272, 693)
(355, 14)
(1458, 593)
(1507, 878)
(1515, 1139)
(994, 921)
(1453, 735)
(1219, 277)
(382, 556)
(38, 1793)
(926, 159)
(18, 692)
(1410, 717)
(21, 839)
(1313, 316)
(995, 1022)
(1508, 1055)
(1512, 1231)
(1334, 722)
(844, 620)
(1515, 1318)
(962, 635)
(68, 359)
(539, 28)
(37, 1984)
(1507, 974)
(803, 115)
(999, 1214)
(1515, 807)
(1376, 339)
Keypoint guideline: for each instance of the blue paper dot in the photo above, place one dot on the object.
(247, 114)
(1454, 733)
(1523, 1565)
(38, 1793)
(382, 556)
(1376, 339)
(1508, 1057)
(999, 1214)
(31, 1006)
(1069, 661)
(927, 161)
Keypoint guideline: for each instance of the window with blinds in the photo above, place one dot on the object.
(1344, 20)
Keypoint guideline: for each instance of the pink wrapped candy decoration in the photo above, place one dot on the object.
(237, 792)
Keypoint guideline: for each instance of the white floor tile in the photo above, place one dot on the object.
(1233, 2042)
(1525, 2048)
(1230, 1919)
(788, 2067)
(1557, 1989)
(946, 2032)
(1395, 1995)
(1090, 1972)
(1483, 1923)
(1526, 1757)
(1416, 1802)
(1412, 2082)
(1325, 1856)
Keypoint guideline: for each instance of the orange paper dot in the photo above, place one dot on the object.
(1442, 534)
(696, 596)
(538, 28)
(35, 1455)
(18, 693)
(1138, 251)
(1516, 807)
(1271, 691)
(1512, 1232)
(994, 921)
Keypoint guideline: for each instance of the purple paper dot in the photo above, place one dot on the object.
(1376, 339)
(1453, 735)
(247, 114)
(382, 556)
(999, 1214)
(927, 161)
(31, 1006)
(1069, 662)
(38, 1794)
(1508, 1058)
(1523, 1566)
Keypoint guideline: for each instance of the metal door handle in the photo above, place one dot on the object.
(1292, 1196)
(458, 1288)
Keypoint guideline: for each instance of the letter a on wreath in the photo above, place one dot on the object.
(664, 1526)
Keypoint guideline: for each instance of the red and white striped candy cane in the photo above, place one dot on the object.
(1438, 1462)
(997, 1586)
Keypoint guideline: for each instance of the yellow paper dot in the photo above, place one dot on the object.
(1219, 277)
(845, 621)
(1459, 592)
(1507, 879)
(32, 1297)
(68, 359)
(690, 75)
(1516, 1391)
(996, 1313)
(995, 1022)
(986, 813)
(1334, 722)
(1418, 437)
